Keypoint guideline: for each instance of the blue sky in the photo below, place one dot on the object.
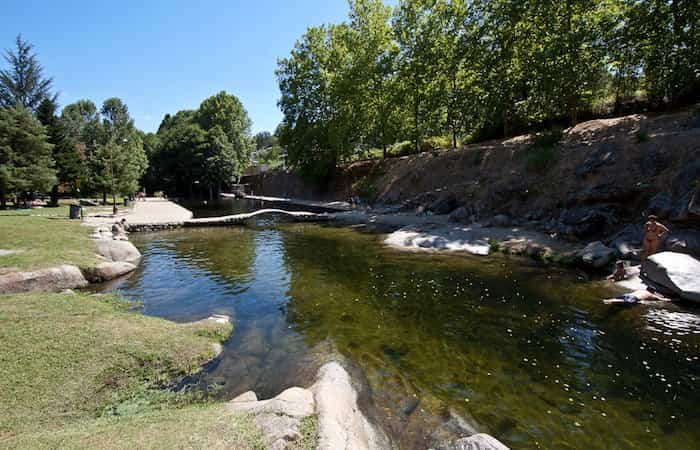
(164, 56)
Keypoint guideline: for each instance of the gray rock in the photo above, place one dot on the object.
(501, 220)
(683, 241)
(653, 160)
(604, 156)
(694, 204)
(479, 441)
(52, 279)
(118, 251)
(604, 193)
(444, 204)
(294, 402)
(678, 272)
(460, 215)
(106, 271)
(596, 254)
(341, 424)
(661, 205)
(279, 418)
(586, 222)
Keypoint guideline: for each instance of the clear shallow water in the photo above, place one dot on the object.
(528, 354)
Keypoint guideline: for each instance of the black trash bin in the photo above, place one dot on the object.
(76, 212)
(126, 201)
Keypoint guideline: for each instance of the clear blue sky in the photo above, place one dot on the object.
(164, 56)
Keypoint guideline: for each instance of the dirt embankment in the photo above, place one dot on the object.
(603, 176)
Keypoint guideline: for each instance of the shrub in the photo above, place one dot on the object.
(401, 148)
(434, 143)
(542, 153)
(366, 190)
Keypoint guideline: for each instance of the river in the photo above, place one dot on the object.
(524, 352)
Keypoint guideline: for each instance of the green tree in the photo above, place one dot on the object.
(23, 83)
(180, 158)
(70, 166)
(83, 132)
(121, 154)
(25, 154)
(223, 163)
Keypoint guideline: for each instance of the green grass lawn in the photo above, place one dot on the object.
(80, 371)
(42, 241)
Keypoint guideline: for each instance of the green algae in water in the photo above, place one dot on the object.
(527, 353)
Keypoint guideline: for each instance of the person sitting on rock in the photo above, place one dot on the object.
(654, 234)
(119, 230)
(637, 297)
(620, 273)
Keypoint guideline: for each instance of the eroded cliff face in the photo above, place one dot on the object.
(602, 176)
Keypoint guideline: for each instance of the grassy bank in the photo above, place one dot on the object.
(43, 241)
(79, 371)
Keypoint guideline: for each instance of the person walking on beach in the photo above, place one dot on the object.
(654, 234)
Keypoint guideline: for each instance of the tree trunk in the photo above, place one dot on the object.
(54, 196)
(211, 193)
(3, 200)
(104, 197)
(384, 151)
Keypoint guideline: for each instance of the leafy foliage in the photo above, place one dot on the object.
(207, 147)
(23, 83)
(478, 69)
(25, 154)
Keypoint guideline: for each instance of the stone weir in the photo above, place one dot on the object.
(235, 219)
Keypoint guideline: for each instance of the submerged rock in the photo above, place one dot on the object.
(481, 441)
(677, 272)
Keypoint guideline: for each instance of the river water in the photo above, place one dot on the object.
(526, 353)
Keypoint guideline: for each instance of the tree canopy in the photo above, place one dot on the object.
(23, 82)
(205, 148)
(451, 71)
(25, 155)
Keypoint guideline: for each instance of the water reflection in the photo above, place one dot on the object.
(528, 354)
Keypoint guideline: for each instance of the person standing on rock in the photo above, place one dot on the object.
(654, 233)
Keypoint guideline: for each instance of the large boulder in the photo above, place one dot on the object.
(293, 402)
(596, 255)
(586, 222)
(677, 272)
(628, 241)
(341, 424)
(683, 241)
(460, 215)
(52, 279)
(107, 271)
(444, 204)
(279, 418)
(118, 251)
